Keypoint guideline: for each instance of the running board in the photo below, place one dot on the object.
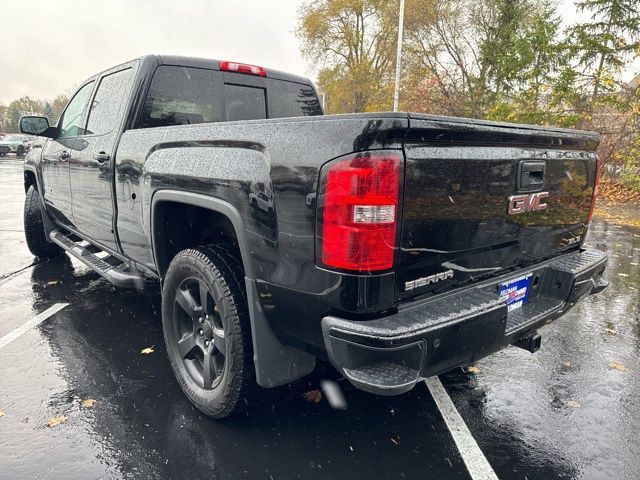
(106, 265)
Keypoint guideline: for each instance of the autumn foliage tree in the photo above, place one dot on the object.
(513, 60)
(10, 114)
(351, 43)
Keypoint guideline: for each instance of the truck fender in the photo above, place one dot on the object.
(209, 203)
(276, 364)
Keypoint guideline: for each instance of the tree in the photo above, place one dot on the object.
(3, 112)
(47, 111)
(57, 106)
(605, 44)
(499, 59)
(349, 42)
(18, 108)
(482, 53)
(10, 114)
(531, 87)
(434, 44)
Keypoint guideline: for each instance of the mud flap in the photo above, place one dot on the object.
(276, 364)
(47, 223)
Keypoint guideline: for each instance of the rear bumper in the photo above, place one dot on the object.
(388, 356)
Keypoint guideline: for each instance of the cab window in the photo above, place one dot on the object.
(72, 121)
(181, 96)
(107, 105)
(243, 102)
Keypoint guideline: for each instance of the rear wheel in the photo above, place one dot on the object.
(34, 231)
(206, 329)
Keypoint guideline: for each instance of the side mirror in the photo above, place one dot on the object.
(33, 125)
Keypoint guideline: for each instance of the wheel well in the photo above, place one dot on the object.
(29, 179)
(178, 226)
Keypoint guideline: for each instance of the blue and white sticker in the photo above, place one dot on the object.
(515, 291)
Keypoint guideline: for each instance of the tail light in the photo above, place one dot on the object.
(595, 190)
(358, 212)
(242, 68)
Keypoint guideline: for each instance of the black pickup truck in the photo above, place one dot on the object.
(395, 245)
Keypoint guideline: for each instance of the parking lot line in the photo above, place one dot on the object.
(475, 461)
(34, 322)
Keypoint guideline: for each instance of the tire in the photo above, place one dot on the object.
(34, 228)
(214, 333)
(20, 151)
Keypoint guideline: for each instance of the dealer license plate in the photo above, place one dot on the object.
(516, 291)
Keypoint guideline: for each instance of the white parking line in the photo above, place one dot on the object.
(34, 322)
(473, 458)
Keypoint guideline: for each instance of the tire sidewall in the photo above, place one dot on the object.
(187, 265)
(34, 227)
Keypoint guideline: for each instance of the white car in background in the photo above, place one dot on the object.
(16, 143)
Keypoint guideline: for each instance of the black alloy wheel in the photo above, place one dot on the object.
(207, 331)
(200, 332)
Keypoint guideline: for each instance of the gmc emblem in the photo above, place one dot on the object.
(527, 203)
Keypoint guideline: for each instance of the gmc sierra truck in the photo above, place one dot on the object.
(395, 245)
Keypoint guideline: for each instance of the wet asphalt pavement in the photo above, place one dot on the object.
(572, 410)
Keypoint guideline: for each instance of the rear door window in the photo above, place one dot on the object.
(244, 103)
(109, 101)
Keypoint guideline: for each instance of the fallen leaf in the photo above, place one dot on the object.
(635, 264)
(147, 350)
(55, 421)
(54, 282)
(2, 414)
(618, 366)
(572, 404)
(394, 441)
(314, 396)
(623, 274)
(610, 331)
(566, 364)
(473, 370)
(88, 403)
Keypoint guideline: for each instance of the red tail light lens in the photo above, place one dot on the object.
(242, 68)
(358, 212)
(595, 190)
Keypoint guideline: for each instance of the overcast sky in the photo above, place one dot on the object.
(50, 46)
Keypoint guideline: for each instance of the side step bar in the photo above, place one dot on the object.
(108, 266)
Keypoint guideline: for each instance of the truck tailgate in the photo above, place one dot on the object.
(481, 198)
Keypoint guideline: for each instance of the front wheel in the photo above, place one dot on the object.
(206, 329)
(34, 231)
(20, 151)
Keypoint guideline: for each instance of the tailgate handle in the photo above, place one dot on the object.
(531, 175)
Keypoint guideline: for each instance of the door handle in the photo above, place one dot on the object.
(531, 175)
(64, 155)
(101, 157)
